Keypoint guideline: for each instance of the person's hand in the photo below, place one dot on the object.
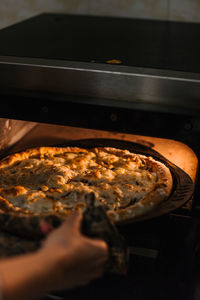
(78, 259)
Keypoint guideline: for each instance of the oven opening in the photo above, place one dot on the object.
(19, 135)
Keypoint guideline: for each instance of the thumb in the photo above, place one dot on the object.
(73, 221)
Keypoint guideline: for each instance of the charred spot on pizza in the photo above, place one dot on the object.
(133, 200)
(66, 194)
(85, 181)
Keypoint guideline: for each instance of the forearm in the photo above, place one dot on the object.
(66, 260)
(27, 277)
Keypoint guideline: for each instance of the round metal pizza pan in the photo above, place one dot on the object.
(183, 186)
(182, 191)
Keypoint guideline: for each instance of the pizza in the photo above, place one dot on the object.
(54, 181)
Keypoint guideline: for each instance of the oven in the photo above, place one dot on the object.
(68, 77)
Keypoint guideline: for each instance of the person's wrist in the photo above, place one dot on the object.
(55, 264)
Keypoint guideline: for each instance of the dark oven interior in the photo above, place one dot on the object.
(113, 90)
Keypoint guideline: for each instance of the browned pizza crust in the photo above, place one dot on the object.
(50, 182)
(160, 193)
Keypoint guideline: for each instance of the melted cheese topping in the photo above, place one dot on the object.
(58, 182)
